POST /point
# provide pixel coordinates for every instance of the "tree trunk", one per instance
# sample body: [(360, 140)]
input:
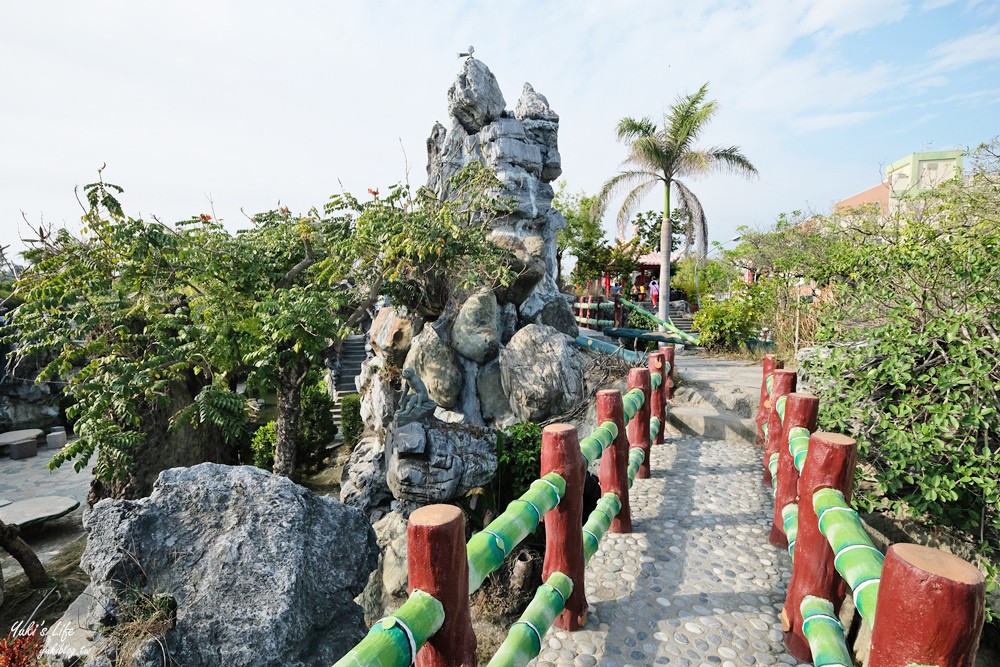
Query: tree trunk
[(12, 543), (665, 247), (287, 425)]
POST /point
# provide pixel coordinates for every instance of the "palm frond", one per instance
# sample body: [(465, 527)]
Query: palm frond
[(718, 159), (697, 222), (616, 185), (630, 129), (631, 204)]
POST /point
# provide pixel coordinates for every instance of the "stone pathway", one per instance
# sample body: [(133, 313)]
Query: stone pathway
[(25, 479), (696, 584)]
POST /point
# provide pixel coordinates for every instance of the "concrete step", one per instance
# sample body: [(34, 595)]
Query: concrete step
[(712, 425)]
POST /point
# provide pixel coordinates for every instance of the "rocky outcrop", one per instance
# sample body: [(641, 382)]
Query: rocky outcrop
[(391, 334), (542, 373), (256, 569), (435, 363), (436, 461), (492, 398), (23, 402), (364, 484), (386, 587), (378, 396), (474, 335)]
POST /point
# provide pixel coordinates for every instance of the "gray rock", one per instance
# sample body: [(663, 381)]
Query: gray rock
[(546, 305), (434, 361), (492, 398), (506, 322), (378, 396), (474, 335), (262, 571), (453, 459), (364, 485), (534, 106), (468, 401), (474, 99), (386, 587), (392, 332), (541, 373)]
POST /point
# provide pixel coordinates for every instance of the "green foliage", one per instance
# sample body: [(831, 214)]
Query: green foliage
[(910, 366), (262, 445), (728, 323), (350, 419), (637, 320), (137, 315), (519, 451), (713, 276), (318, 432)]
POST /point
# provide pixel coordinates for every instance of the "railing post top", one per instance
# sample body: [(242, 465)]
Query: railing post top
[(802, 396), (832, 439), (608, 393), (558, 431), (638, 377), (938, 563), (436, 515)]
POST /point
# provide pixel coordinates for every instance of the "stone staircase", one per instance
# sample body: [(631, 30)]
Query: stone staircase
[(352, 354), (681, 319), (716, 398)]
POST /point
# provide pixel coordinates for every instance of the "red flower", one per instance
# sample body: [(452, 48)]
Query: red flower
[(204, 217), (373, 193), (284, 209)]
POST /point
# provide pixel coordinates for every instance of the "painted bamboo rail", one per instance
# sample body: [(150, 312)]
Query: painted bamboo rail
[(433, 627), (667, 325), (634, 358), (930, 611)]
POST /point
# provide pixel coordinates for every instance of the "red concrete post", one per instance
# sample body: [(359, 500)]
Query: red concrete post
[(771, 364), (564, 524), (638, 428), (669, 355), (830, 464), (657, 401), (591, 313), (614, 461), (930, 611), (436, 564), (800, 411), (784, 384)]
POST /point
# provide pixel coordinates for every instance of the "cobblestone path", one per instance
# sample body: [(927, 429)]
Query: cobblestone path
[(696, 584)]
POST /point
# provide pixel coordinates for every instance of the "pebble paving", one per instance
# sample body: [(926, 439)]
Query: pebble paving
[(696, 584)]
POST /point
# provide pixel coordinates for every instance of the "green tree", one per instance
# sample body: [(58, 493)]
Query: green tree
[(663, 155), (153, 325), (583, 231)]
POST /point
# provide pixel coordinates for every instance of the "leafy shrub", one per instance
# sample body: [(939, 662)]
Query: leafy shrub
[(911, 367), (727, 324), (519, 451), (637, 320), (350, 419), (317, 432)]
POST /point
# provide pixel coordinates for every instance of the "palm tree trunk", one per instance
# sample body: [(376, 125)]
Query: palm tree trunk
[(665, 243)]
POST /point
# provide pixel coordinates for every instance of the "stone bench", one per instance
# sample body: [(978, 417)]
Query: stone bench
[(37, 510), (21, 444)]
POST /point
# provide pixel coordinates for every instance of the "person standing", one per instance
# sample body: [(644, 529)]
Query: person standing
[(654, 292)]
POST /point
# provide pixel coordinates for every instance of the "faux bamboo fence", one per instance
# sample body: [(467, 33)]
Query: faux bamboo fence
[(924, 606), (433, 627)]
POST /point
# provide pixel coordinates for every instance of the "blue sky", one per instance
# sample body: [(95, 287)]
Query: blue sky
[(245, 104)]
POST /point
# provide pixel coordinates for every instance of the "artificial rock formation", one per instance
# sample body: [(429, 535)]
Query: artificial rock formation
[(258, 570), (493, 356)]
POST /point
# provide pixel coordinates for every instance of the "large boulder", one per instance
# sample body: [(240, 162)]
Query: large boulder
[(392, 332), (386, 587), (378, 396), (262, 571), (434, 361), (474, 335), (364, 485), (546, 305), (474, 99), (492, 399), (437, 461), (541, 372)]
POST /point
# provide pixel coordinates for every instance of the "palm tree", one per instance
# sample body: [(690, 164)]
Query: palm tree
[(661, 155)]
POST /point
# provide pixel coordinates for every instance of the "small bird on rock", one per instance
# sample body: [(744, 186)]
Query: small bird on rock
[(469, 54)]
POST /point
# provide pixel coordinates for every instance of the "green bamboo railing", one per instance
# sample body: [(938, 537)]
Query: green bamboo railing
[(855, 557), (798, 445), (604, 305), (488, 548), (824, 633), (598, 523), (595, 322), (524, 639), (395, 639), (634, 358), (655, 379), (772, 466), (669, 326), (790, 520)]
